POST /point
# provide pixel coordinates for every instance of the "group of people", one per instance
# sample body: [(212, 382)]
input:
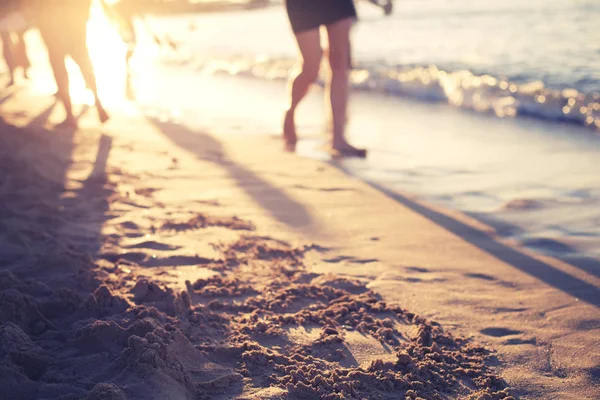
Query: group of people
[(63, 27)]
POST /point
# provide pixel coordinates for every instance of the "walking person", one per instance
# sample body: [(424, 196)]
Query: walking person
[(63, 27), (12, 30), (14, 51), (306, 18)]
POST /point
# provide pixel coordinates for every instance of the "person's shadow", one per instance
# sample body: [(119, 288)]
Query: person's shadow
[(38, 193), (275, 201)]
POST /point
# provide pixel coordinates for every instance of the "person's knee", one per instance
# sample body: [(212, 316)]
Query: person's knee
[(311, 67), (310, 70)]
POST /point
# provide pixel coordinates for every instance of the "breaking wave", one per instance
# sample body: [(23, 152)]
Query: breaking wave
[(502, 97)]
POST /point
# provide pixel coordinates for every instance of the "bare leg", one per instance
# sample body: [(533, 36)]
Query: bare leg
[(311, 53), (337, 86), (56, 56), (61, 76), (81, 56), (129, 94), (128, 56), (7, 50), (21, 54), (130, 40)]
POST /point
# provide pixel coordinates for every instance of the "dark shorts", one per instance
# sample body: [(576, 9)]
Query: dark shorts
[(306, 15)]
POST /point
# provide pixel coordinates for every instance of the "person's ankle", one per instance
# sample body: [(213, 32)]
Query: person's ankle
[(338, 140)]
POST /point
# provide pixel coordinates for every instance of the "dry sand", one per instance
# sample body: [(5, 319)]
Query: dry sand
[(149, 260)]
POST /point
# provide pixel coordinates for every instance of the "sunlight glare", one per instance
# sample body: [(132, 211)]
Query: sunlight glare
[(107, 52)]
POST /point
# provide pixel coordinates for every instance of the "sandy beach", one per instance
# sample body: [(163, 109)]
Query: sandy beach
[(154, 259)]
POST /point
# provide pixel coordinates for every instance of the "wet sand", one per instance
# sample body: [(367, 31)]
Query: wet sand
[(153, 260)]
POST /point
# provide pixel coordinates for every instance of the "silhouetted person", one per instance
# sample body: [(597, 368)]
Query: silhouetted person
[(12, 30), (14, 51), (63, 26)]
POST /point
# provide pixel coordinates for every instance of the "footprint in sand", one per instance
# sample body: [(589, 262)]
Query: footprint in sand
[(517, 341), (214, 203), (350, 259), (134, 234), (395, 276), (136, 257), (176, 261), (325, 189), (489, 278), (499, 332), (146, 192), (416, 269), (153, 245), (201, 221), (129, 225), (317, 248), (152, 260), (509, 310), (480, 276)]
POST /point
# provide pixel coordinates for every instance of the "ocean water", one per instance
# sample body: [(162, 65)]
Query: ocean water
[(490, 108), (537, 58)]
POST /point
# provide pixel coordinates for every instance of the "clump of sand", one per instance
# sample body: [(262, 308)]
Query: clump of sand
[(76, 324)]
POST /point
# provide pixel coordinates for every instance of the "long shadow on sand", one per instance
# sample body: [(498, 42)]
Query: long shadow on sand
[(273, 200), (49, 226), (49, 205), (532, 266)]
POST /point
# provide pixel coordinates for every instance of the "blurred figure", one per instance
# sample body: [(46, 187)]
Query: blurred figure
[(386, 5), (306, 18), (12, 30), (123, 14), (63, 27), (14, 51)]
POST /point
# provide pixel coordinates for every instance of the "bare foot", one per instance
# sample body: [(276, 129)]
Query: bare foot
[(388, 7), (289, 132), (344, 149), (102, 115), (69, 122)]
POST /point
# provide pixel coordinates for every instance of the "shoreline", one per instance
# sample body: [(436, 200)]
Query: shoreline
[(507, 175), (146, 199), (496, 97)]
